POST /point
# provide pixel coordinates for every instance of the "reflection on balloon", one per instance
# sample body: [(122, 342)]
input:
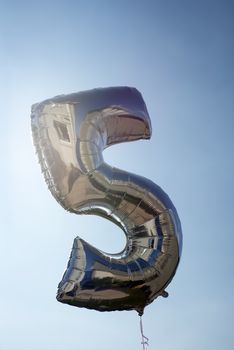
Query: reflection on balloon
[(70, 133)]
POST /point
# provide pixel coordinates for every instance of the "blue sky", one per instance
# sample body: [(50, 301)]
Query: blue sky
[(179, 54)]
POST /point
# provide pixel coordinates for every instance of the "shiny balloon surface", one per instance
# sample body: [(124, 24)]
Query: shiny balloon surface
[(70, 133)]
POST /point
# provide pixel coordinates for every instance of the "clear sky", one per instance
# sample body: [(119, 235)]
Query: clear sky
[(179, 54)]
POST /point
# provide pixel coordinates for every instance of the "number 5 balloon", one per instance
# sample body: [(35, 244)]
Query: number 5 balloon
[(70, 133)]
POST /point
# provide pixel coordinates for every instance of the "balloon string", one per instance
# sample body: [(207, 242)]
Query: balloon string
[(145, 340)]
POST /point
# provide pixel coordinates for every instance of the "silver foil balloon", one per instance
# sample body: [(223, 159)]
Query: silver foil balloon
[(70, 133)]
